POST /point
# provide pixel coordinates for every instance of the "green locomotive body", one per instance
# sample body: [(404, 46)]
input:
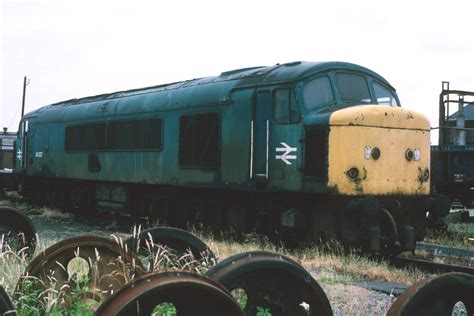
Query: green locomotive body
[(313, 150)]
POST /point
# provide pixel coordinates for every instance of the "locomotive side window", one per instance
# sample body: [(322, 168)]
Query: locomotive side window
[(85, 137), (124, 135), (317, 93), (353, 88), (384, 96), (284, 107), (199, 137), (139, 134)]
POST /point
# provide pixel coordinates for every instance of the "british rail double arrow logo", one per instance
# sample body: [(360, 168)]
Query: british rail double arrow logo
[(286, 157)]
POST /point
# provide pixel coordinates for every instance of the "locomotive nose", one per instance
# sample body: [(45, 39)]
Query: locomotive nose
[(379, 150)]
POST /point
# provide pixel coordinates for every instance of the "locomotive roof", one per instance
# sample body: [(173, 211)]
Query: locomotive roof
[(217, 89)]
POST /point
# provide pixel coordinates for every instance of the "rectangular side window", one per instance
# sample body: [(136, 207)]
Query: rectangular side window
[(138, 134), (199, 140), (85, 137), (315, 153), (123, 135), (281, 106)]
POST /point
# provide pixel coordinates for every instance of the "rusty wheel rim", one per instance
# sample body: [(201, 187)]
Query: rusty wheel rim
[(189, 293), (17, 229), (5, 302), (271, 282), (436, 296), (106, 267)]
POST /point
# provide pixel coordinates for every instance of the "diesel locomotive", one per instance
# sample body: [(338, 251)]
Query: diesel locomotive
[(302, 150)]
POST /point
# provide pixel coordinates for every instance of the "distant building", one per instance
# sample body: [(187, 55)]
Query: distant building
[(456, 120), (6, 149)]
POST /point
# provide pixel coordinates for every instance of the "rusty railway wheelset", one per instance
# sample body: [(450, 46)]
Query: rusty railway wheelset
[(122, 278)]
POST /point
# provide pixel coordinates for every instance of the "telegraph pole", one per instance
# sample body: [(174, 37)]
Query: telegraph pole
[(25, 82)]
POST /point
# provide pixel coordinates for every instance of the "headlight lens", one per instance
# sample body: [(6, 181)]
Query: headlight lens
[(376, 153), (409, 154), (353, 173), (425, 175)]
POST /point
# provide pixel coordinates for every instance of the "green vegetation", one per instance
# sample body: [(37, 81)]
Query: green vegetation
[(451, 231), (164, 309)]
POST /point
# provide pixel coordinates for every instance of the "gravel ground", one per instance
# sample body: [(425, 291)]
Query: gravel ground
[(353, 300), (346, 299)]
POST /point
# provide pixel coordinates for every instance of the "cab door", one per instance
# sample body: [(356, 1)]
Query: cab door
[(20, 146), (286, 141), (262, 136)]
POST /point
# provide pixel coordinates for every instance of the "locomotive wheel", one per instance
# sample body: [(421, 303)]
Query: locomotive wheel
[(180, 293), (179, 241), (96, 262), (5, 302), (436, 296), (18, 229), (271, 282)]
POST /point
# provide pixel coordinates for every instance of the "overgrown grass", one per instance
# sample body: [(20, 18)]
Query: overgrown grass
[(76, 294), (34, 297), (452, 232), (331, 265)]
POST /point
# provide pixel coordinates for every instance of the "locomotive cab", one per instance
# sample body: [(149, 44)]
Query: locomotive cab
[(362, 147)]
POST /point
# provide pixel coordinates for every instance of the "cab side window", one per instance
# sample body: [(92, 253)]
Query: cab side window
[(284, 109), (317, 93), (384, 96)]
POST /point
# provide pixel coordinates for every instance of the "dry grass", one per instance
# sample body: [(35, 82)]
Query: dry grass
[(331, 266), (328, 263), (12, 265), (52, 213), (226, 248)]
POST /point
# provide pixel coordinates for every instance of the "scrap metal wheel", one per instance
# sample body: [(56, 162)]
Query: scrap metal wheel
[(436, 296), (179, 241), (96, 262), (270, 282), (5, 302), (17, 229), (180, 293)]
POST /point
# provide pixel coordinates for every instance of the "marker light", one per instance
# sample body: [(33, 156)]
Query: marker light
[(417, 154), (409, 154)]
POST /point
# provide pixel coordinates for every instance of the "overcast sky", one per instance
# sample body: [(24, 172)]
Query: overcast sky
[(73, 49)]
